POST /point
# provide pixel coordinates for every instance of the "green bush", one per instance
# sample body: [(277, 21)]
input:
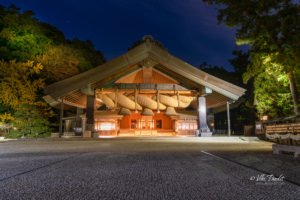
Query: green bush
[(30, 123)]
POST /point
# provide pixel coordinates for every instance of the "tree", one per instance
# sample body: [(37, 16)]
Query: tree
[(68, 59), (246, 111), (6, 120), (21, 37), (240, 61), (272, 29), (18, 83), (272, 96), (59, 62), (32, 54), (30, 121), (20, 104), (88, 56), (221, 73)]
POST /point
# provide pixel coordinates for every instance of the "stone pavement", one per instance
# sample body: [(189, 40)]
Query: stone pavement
[(137, 168)]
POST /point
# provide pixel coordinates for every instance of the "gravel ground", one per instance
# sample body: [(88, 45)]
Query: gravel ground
[(144, 168)]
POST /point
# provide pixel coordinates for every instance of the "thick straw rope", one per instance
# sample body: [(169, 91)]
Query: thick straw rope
[(106, 100), (149, 103), (167, 100), (124, 101), (184, 99)]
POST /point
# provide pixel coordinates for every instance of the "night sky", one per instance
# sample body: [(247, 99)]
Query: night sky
[(187, 28)]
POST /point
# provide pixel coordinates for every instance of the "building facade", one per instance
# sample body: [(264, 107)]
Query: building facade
[(144, 92)]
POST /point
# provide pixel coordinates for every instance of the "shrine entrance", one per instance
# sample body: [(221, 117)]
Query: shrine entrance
[(145, 127)]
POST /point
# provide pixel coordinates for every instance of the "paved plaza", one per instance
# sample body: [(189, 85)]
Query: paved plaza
[(146, 168)]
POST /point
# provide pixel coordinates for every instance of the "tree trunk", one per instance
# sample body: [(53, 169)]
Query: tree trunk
[(294, 92)]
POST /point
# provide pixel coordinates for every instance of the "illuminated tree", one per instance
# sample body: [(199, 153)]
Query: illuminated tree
[(272, 29), (59, 62), (6, 120), (18, 83), (30, 122), (86, 53), (23, 37), (32, 54), (21, 106)]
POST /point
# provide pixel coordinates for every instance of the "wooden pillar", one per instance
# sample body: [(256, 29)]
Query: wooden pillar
[(83, 125), (90, 106), (88, 120), (202, 117), (78, 122), (228, 118), (61, 117), (79, 111)]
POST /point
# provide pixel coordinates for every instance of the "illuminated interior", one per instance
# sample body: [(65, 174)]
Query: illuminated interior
[(187, 125), (105, 126)]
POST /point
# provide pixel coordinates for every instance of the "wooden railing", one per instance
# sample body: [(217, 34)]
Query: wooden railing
[(284, 133)]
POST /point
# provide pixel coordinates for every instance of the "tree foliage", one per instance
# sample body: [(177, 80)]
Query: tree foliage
[(32, 54), (18, 84), (88, 56), (59, 62), (221, 73), (30, 122), (6, 125), (23, 37), (272, 29), (272, 96)]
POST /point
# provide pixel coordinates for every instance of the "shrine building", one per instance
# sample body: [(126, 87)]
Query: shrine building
[(144, 92)]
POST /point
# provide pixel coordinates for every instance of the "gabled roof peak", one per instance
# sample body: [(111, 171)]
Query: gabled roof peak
[(148, 38)]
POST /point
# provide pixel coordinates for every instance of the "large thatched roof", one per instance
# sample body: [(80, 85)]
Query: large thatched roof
[(143, 57)]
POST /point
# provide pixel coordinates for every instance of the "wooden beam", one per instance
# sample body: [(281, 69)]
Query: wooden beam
[(73, 104), (179, 78), (151, 86), (216, 104), (111, 79), (107, 91)]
